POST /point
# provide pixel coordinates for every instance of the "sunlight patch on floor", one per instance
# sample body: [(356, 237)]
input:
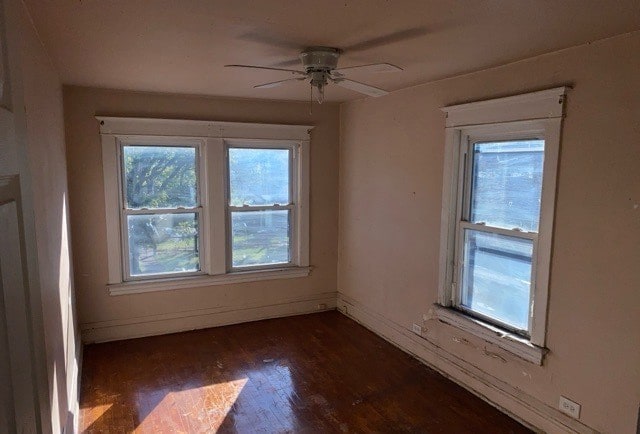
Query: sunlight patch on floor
[(92, 414), (180, 411)]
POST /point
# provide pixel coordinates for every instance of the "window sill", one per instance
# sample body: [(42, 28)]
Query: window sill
[(170, 284), (511, 342)]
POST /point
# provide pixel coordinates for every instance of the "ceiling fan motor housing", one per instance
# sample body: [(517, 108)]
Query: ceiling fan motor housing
[(322, 59)]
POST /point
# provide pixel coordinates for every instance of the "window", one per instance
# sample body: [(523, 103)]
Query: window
[(260, 206), (161, 210), (498, 202), (195, 203), (498, 230)]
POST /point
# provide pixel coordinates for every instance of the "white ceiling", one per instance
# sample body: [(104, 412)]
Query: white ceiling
[(181, 46)]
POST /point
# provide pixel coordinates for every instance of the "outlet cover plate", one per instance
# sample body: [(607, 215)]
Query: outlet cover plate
[(569, 407)]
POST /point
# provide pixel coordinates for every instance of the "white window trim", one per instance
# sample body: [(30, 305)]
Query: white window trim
[(170, 284), (212, 138), (540, 113)]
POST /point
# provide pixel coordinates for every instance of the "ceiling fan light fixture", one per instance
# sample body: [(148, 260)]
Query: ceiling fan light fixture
[(319, 93), (319, 80)]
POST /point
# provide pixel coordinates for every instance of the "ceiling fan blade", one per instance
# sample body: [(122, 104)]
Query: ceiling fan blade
[(278, 83), (374, 67), (274, 41), (360, 87), (391, 38), (293, 71), (292, 62)]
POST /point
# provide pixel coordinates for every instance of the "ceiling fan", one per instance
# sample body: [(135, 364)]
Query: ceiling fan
[(320, 66)]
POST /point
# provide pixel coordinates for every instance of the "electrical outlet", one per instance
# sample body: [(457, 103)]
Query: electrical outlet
[(322, 306), (569, 407), (417, 329)]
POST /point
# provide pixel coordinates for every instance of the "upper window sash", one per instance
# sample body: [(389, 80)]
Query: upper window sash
[(293, 147), (467, 167), (122, 141)]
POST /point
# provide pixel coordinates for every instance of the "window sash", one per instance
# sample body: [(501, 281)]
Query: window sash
[(126, 266), (152, 142), (291, 248), (293, 149), (459, 270)]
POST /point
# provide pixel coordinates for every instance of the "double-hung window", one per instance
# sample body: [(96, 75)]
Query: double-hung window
[(497, 230), (260, 206), (161, 210), (197, 203), (498, 207)]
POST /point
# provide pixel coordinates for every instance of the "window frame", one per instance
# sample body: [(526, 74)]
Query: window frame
[(469, 138), (529, 116), (211, 138)]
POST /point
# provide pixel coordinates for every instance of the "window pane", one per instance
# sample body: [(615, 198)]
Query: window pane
[(507, 184), (159, 176), (260, 237), (496, 277), (163, 243), (258, 176)]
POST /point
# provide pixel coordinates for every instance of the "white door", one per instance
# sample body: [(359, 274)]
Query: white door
[(17, 386)]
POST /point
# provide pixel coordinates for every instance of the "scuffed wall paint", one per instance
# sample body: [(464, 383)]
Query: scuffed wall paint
[(391, 170)]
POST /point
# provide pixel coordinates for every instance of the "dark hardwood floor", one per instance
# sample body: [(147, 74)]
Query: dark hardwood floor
[(319, 373)]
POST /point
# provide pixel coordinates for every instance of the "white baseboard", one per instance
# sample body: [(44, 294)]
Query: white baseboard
[(129, 328), (518, 404)]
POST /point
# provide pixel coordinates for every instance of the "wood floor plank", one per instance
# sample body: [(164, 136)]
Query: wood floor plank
[(320, 373)]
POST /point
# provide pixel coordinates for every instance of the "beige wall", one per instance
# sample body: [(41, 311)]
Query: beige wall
[(104, 317), (41, 165), (391, 162), (391, 167)]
